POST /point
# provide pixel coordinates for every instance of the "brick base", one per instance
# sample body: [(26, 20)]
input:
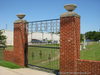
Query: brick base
[(19, 53), (70, 62), (8, 55), (88, 67), (12, 57)]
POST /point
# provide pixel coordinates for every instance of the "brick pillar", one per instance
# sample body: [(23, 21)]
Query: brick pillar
[(69, 40), (20, 41)]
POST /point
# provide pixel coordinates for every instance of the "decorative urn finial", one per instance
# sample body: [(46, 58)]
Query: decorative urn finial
[(70, 7), (21, 16)]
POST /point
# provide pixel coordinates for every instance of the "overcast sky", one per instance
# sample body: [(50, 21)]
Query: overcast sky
[(49, 9)]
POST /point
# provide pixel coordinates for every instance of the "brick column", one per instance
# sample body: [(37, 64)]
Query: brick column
[(69, 40), (20, 41)]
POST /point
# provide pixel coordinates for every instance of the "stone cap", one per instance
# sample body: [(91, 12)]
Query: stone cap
[(20, 21), (20, 16), (70, 8)]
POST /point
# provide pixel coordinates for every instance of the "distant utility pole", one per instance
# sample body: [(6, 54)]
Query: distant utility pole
[(6, 27), (84, 44), (99, 29)]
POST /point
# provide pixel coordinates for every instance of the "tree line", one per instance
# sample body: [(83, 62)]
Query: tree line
[(91, 35)]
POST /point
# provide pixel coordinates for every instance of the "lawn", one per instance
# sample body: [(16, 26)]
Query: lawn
[(1, 53), (49, 57), (6, 63), (9, 64), (10, 47), (44, 57), (92, 52)]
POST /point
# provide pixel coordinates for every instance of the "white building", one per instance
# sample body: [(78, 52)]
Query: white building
[(34, 35), (9, 36)]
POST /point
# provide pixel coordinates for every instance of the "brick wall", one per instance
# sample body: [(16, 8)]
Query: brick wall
[(70, 62), (69, 43), (9, 55), (88, 67), (19, 54)]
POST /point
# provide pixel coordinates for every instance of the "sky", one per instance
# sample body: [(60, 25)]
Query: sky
[(35, 10)]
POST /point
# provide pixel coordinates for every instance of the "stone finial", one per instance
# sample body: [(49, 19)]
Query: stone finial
[(20, 16), (70, 8)]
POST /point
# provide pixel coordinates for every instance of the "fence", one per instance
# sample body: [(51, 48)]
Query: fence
[(70, 62), (43, 44)]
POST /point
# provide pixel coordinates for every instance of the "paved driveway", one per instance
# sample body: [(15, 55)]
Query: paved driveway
[(22, 71)]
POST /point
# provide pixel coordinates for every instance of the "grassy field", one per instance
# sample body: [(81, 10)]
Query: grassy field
[(49, 58), (92, 52)]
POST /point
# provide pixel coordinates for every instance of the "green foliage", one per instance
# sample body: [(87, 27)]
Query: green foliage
[(49, 41), (1, 53), (2, 39), (93, 35), (81, 37)]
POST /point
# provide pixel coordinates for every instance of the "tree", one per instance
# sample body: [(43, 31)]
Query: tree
[(2, 39), (81, 37), (93, 35)]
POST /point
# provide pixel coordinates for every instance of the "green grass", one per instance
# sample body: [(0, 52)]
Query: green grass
[(10, 47), (1, 53), (6, 63), (40, 57), (52, 65), (9, 64), (92, 52), (51, 45)]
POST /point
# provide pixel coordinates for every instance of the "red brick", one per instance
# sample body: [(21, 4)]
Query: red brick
[(20, 45)]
